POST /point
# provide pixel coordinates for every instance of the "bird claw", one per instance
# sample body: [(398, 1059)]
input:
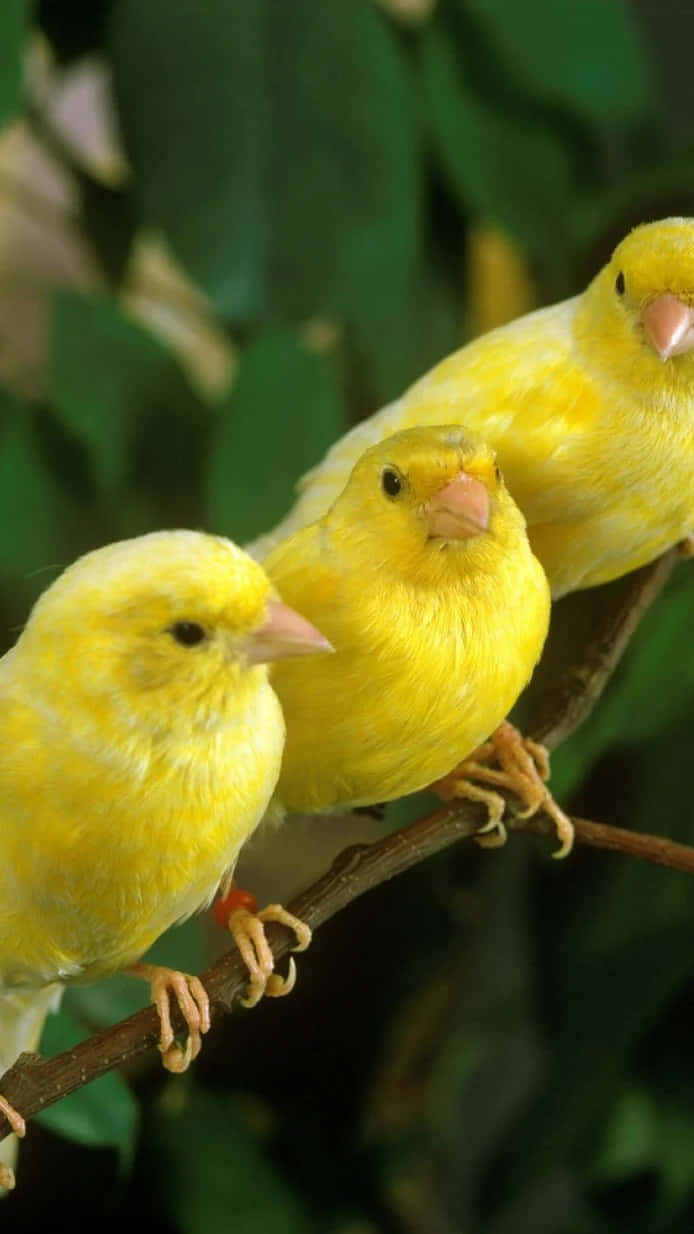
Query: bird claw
[(194, 1005), (523, 766), (18, 1125), (248, 930), (7, 1179), (13, 1117)]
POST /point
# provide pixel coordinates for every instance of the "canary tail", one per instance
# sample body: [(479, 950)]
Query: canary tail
[(22, 1013)]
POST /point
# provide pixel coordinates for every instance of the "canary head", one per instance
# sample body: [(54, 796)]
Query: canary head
[(642, 302), (425, 489), (175, 611)]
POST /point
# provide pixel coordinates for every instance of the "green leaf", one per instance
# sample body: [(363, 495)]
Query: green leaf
[(510, 167), (291, 182), (108, 378), (197, 71), (13, 15), (653, 685), (344, 166), (103, 1113), (586, 55), (648, 1130), (109, 223), (214, 1176), (284, 412), (32, 506)]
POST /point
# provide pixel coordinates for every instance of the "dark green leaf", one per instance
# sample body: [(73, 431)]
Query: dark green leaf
[(108, 219), (73, 27), (291, 180), (32, 507), (507, 166), (109, 378), (554, 53), (653, 685), (219, 1178), (284, 412), (195, 112), (345, 221), (12, 35)]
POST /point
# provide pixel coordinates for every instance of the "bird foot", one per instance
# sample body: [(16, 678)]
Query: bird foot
[(238, 913), (13, 1117), (193, 1002), (18, 1125), (522, 765)]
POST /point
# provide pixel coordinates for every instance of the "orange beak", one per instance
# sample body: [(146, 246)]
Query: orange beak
[(285, 633), (460, 510), (669, 325)]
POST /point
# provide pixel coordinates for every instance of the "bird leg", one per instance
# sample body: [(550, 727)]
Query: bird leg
[(522, 765), (18, 1125), (194, 1004), (238, 912)]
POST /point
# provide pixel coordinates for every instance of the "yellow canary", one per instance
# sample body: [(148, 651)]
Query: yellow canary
[(589, 405), (422, 577), (141, 744)]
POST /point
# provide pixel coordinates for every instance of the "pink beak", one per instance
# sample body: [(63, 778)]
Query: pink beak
[(669, 325), (285, 633), (460, 510)]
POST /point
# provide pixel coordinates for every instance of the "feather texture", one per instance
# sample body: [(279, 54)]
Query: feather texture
[(434, 635), (593, 425)]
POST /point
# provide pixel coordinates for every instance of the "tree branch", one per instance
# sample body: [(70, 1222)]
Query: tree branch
[(581, 684), (33, 1083)]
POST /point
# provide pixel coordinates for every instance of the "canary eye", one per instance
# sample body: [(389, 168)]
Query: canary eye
[(188, 633), (391, 482), (620, 285), (497, 473)]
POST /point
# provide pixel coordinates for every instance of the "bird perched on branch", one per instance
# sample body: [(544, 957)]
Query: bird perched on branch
[(422, 577), (141, 744), (589, 405)]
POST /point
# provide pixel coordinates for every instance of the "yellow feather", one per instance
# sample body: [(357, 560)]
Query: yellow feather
[(132, 767), (434, 638), (593, 431)]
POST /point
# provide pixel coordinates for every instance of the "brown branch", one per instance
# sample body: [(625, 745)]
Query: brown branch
[(33, 1083), (581, 684)]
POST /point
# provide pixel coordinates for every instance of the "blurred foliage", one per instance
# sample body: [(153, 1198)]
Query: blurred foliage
[(343, 190)]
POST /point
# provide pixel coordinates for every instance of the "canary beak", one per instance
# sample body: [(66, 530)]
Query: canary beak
[(669, 325), (285, 633), (460, 510)]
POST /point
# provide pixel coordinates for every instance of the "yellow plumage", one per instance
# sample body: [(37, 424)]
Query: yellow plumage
[(435, 634), (141, 744), (589, 406)]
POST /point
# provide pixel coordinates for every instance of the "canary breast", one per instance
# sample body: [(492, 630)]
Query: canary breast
[(419, 677), (109, 836)]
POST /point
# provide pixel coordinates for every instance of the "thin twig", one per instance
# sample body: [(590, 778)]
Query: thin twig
[(34, 1083), (581, 684)]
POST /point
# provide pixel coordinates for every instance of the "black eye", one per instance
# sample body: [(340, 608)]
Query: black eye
[(497, 473), (188, 633), (620, 285), (391, 483)]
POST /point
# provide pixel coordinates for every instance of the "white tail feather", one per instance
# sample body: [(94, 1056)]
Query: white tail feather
[(22, 1013)]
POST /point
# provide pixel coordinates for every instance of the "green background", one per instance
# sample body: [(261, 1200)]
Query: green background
[(490, 1044)]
